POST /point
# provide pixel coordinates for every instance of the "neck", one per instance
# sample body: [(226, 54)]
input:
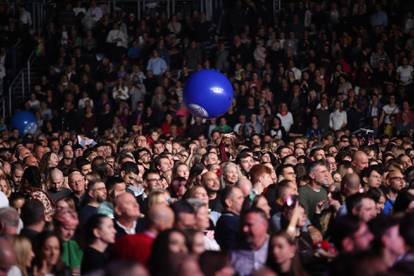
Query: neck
[(37, 227), (99, 245), (285, 267), (388, 258), (127, 222)]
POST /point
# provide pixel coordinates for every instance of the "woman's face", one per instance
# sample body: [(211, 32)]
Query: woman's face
[(51, 251), (183, 171), (107, 231), (176, 243), (231, 175), (282, 251), (53, 160), (203, 221)]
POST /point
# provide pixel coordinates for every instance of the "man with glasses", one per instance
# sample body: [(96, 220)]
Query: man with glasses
[(394, 182)]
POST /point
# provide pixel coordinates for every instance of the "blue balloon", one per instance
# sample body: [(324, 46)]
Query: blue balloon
[(208, 94), (25, 122)]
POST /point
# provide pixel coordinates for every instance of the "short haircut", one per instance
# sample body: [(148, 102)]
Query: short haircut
[(181, 207), (342, 227), (33, 212), (129, 167), (258, 171)]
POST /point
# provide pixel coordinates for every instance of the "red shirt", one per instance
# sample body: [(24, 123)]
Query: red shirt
[(135, 248)]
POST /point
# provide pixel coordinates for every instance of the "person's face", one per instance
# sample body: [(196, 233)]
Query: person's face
[(211, 181), (176, 243), (154, 182), (254, 229), (264, 205), (78, 183), (231, 175), (283, 252), (51, 251), (203, 221), (68, 152), (198, 243), (374, 179), (66, 233), (183, 171), (289, 174), (129, 207), (106, 232), (85, 169), (246, 163), (322, 176), (17, 176), (362, 238), (56, 181), (236, 201), (99, 192), (201, 194), (368, 210), (396, 181), (53, 160), (159, 148), (165, 165)]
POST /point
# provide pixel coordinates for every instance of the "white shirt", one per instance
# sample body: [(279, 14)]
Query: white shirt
[(405, 73), (337, 119), (287, 120)]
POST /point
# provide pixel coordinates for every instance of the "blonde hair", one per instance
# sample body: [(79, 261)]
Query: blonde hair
[(23, 249), (154, 197)]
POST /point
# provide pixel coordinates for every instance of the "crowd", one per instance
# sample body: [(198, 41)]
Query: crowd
[(310, 172)]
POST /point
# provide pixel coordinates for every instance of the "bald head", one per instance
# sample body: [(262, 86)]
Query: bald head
[(360, 161), (160, 217), (7, 256)]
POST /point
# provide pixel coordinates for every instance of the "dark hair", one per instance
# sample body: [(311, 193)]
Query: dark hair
[(213, 261), (296, 268), (406, 228), (343, 227), (160, 260), (32, 177), (93, 222), (403, 200), (33, 212)]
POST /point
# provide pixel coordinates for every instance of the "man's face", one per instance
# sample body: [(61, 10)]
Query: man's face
[(246, 163), (211, 182), (289, 174), (368, 210), (362, 238), (129, 206), (17, 176), (85, 169), (77, 183), (396, 181), (165, 165), (56, 181), (236, 201), (322, 176), (374, 180), (153, 182), (99, 192), (186, 221), (254, 229)]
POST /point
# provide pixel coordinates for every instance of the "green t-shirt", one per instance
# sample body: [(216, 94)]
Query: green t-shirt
[(309, 198), (71, 254)]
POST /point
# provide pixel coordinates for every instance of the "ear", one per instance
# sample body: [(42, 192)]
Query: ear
[(347, 244), (228, 202)]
